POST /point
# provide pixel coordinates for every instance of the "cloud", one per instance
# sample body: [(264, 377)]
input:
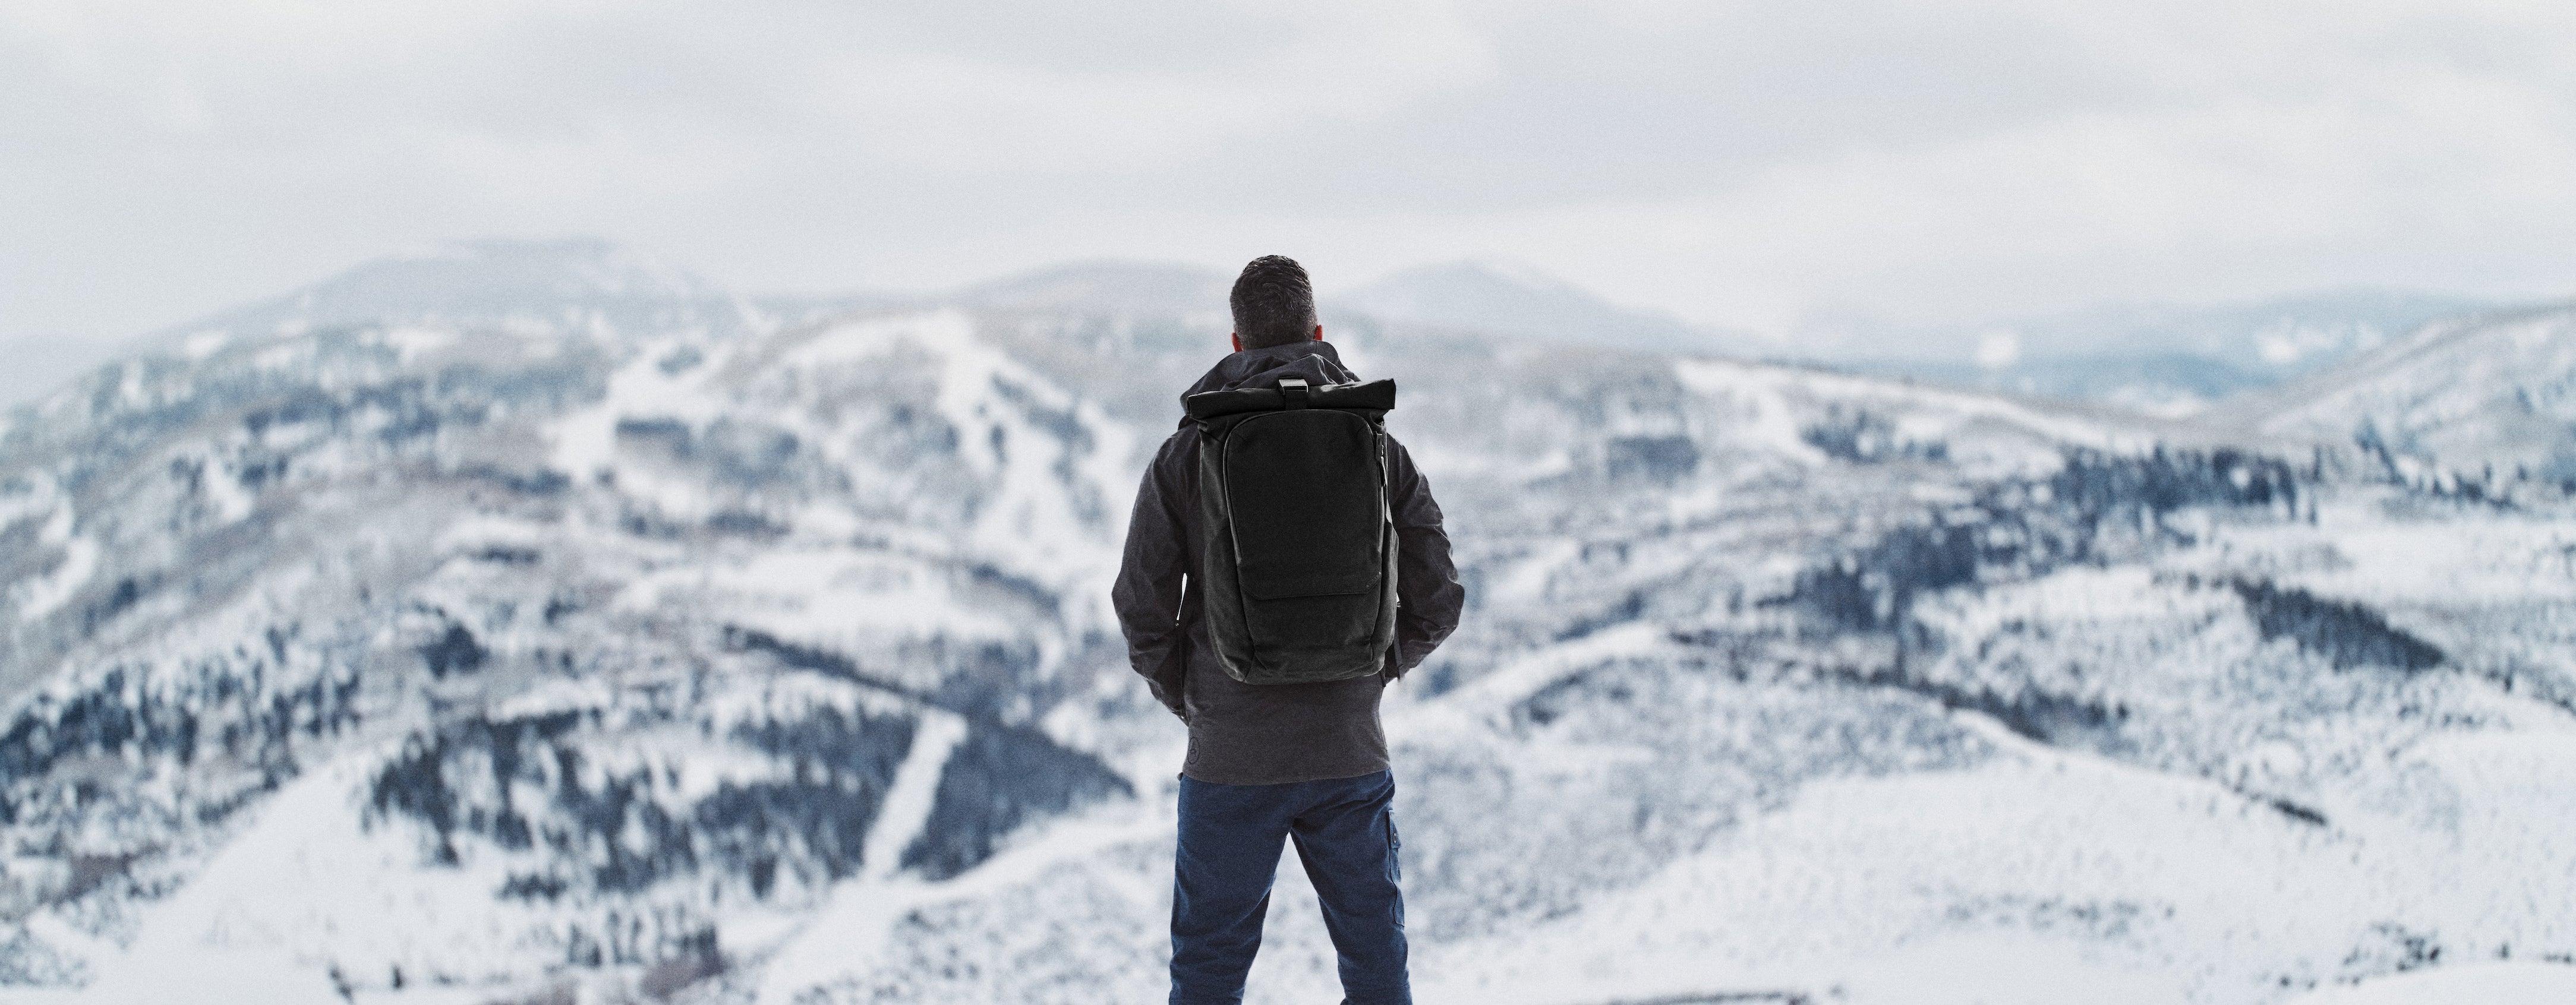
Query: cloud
[(1753, 164)]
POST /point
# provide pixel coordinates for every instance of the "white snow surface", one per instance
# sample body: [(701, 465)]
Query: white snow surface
[(2483, 984)]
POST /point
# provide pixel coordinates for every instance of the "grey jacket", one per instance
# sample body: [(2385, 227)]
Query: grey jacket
[(1244, 734)]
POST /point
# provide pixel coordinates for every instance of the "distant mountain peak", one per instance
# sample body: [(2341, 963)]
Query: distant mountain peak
[(566, 283), (2170, 358), (1513, 298), (1110, 285), (591, 264)]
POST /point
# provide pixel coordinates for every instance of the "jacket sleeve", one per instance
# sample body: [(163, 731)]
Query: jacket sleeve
[(1427, 591), (1148, 593)]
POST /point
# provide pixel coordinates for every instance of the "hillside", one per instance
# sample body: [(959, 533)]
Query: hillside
[(2488, 400), (2170, 359)]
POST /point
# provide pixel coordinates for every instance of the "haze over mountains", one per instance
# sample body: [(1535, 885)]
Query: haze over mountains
[(2162, 358), (2159, 358), (1509, 299), (531, 287), (594, 637)]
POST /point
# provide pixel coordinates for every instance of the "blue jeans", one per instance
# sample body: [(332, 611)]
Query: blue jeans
[(1229, 849)]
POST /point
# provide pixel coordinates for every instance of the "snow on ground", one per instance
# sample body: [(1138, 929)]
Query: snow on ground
[(2051, 871), (43, 596), (2045, 876), (2471, 984), (262, 921), (858, 936), (1765, 421)]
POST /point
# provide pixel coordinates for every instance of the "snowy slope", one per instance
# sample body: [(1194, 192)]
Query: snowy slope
[(623, 652), (2488, 399), (428, 663)]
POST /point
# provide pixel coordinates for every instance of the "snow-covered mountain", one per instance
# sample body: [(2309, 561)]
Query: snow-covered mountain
[(521, 286), (528, 286), (40, 364), (2171, 359), (2486, 401), (433, 662)]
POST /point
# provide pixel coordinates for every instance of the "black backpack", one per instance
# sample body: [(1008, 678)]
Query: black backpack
[(1296, 542)]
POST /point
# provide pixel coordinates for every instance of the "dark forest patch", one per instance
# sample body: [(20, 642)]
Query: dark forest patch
[(2348, 635), (455, 650), (1664, 459), (999, 778), (621, 831)]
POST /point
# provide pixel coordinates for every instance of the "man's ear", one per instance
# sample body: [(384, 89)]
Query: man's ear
[(1238, 341), (1319, 333)]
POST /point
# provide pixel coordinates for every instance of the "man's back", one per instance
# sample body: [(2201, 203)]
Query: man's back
[(1246, 734), (1273, 763)]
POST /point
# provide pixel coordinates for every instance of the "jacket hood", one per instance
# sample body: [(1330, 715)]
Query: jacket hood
[(1318, 362)]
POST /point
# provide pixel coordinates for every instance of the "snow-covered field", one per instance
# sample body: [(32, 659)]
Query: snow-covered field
[(448, 660)]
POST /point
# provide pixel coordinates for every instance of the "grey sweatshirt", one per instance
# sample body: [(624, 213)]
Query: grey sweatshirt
[(1246, 734)]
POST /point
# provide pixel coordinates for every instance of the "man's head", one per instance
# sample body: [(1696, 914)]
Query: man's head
[(1274, 304)]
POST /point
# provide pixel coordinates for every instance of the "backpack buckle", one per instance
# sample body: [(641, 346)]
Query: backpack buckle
[(1293, 391)]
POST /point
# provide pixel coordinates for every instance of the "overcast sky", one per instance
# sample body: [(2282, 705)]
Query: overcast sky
[(1751, 164)]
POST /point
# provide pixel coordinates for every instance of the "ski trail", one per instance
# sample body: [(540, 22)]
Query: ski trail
[(853, 925), (915, 790), (848, 934)]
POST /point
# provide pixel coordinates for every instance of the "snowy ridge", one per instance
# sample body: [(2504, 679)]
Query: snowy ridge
[(2484, 404), (529, 288), (2171, 360)]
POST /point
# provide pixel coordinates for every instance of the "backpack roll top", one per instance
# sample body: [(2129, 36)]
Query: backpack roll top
[(1298, 552), (1374, 396)]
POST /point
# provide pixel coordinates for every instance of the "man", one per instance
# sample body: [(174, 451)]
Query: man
[(1267, 763)]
